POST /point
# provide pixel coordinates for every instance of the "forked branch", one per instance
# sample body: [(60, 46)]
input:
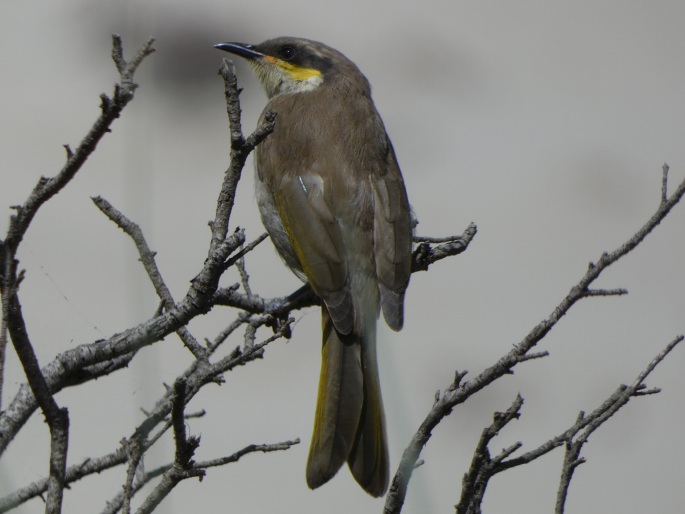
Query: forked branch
[(459, 393)]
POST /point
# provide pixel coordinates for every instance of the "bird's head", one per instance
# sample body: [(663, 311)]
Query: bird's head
[(291, 65)]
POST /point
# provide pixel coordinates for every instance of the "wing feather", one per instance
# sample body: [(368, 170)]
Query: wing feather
[(392, 240), (318, 243)]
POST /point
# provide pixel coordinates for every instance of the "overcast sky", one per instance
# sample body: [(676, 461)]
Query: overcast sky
[(544, 122)]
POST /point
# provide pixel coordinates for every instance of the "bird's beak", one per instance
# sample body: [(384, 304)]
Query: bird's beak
[(242, 49)]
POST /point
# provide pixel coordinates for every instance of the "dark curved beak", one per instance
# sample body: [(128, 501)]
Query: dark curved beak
[(242, 49)]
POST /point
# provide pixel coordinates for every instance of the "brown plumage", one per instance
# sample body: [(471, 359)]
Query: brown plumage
[(332, 197)]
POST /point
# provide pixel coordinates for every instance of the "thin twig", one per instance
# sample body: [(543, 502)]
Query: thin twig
[(605, 292), (264, 448), (225, 333), (425, 254), (134, 451), (116, 503), (241, 254), (244, 275), (182, 467), (620, 398), (664, 183), (111, 110), (240, 149), (482, 466), (436, 240), (95, 465), (147, 257)]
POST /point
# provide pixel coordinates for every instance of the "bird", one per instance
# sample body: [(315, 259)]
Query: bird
[(333, 200)]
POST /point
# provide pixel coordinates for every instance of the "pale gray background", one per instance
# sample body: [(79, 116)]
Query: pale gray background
[(545, 122)]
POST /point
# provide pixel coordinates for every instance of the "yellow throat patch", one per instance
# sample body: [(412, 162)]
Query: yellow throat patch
[(295, 72)]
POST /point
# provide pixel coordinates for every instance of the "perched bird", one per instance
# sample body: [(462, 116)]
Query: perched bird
[(332, 198)]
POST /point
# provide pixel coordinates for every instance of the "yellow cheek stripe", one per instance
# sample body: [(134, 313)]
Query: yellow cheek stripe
[(296, 72)]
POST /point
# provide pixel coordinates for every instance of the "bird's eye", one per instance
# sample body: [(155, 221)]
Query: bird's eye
[(287, 53)]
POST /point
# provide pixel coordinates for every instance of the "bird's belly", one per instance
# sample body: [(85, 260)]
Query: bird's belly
[(274, 226)]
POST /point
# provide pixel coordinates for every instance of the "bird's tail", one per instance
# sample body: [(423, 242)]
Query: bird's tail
[(349, 424)]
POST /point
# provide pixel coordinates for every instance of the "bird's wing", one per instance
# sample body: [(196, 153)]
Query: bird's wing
[(392, 239), (316, 238)]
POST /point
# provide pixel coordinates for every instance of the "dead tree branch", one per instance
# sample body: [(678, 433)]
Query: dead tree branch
[(483, 467), (47, 187), (459, 392)]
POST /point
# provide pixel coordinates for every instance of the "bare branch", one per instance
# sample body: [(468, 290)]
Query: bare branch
[(532, 356), (241, 254), (425, 254), (147, 257), (136, 445), (57, 418), (116, 504), (605, 292), (444, 406), (617, 400), (134, 451), (244, 275), (127, 69), (44, 190), (111, 110), (182, 467), (240, 149), (102, 357), (185, 447), (225, 333), (664, 183), (198, 299), (482, 466), (264, 448), (196, 376), (436, 240)]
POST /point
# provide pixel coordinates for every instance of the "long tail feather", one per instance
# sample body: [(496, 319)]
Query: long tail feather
[(349, 424), (338, 406), (368, 459)]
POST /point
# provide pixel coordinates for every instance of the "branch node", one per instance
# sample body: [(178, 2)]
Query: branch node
[(105, 103), (531, 356), (458, 377)]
